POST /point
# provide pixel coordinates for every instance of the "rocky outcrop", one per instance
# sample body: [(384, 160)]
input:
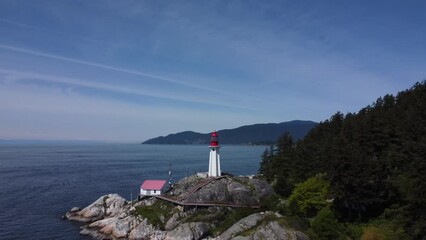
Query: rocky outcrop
[(261, 226), (173, 221), (144, 230), (243, 191), (188, 231), (105, 206), (273, 231), (112, 217), (241, 226)]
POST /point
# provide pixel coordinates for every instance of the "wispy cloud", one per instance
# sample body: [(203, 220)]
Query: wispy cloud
[(92, 64), (64, 34), (16, 76), (206, 63), (132, 72)]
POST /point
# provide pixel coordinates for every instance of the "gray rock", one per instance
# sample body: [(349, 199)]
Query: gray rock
[(108, 205), (93, 233), (142, 231), (212, 192), (88, 232), (241, 194), (173, 221), (227, 190), (103, 222), (240, 226), (242, 238), (114, 204), (121, 228), (260, 230), (112, 227), (91, 213), (272, 230), (184, 184), (262, 188), (75, 209), (188, 231), (300, 236)]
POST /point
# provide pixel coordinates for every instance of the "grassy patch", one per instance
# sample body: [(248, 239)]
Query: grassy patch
[(156, 213), (204, 215)]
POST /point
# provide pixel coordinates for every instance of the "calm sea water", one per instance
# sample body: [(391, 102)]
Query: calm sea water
[(38, 184)]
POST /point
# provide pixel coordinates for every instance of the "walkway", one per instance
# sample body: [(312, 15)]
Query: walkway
[(178, 200), (197, 187), (204, 204)]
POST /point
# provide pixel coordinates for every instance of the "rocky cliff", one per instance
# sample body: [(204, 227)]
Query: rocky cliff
[(231, 212)]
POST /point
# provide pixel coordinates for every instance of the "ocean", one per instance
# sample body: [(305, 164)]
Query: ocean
[(39, 183)]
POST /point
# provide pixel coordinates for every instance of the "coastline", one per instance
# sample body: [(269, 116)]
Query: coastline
[(112, 216)]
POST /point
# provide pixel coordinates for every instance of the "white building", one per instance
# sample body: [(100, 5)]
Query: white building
[(214, 160), (153, 187)]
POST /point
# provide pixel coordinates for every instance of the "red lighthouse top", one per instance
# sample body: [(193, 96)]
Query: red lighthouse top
[(214, 140)]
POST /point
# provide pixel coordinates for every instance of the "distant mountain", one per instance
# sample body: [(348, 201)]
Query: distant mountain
[(266, 133)]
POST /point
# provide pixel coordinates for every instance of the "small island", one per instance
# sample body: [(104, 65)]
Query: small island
[(225, 207)]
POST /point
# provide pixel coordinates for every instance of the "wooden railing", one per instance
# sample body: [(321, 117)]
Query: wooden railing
[(179, 199)]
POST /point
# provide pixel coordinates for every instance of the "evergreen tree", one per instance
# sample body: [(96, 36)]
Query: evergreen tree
[(374, 159), (266, 165)]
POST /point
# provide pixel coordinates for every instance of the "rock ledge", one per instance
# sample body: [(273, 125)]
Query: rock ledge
[(112, 217)]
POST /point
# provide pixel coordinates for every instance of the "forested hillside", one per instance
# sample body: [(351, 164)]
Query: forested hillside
[(361, 174), (264, 133)]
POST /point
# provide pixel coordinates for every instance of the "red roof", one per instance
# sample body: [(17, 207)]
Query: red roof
[(153, 184)]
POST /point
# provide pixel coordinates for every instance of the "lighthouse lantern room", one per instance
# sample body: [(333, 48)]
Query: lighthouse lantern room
[(214, 161)]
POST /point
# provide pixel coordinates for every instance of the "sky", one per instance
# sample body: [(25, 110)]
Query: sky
[(127, 71)]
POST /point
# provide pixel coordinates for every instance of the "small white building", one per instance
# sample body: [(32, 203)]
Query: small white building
[(153, 187)]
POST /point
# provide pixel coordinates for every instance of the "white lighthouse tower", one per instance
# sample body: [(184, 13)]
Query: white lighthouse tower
[(214, 161)]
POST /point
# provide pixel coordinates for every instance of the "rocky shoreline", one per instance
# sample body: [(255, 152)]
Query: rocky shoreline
[(113, 217)]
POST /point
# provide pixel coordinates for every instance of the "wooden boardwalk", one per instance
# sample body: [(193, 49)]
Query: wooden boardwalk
[(203, 204), (197, 187), (179, 200)]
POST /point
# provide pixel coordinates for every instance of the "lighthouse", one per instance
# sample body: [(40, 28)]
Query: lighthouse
[(214, 161)]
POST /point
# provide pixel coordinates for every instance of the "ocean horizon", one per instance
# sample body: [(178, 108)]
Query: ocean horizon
[(39, 183)]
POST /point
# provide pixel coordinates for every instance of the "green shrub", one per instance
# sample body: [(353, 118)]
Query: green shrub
[(295, 222), (273, 203), (325, 225), (309, 197), (353, 230)]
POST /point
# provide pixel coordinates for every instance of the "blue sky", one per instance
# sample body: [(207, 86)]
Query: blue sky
[(126, 71)]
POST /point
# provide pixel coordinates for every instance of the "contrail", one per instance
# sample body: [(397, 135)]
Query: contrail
[(122, 70), (17, 76), (23, 25), (92, 64)]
